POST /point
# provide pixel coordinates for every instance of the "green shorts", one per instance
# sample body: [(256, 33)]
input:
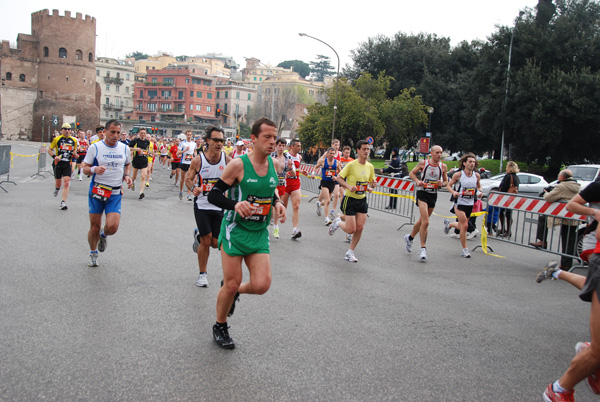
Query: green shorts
[(237, 241)]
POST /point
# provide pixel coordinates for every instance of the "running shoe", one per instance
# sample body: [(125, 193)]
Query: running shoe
[(408, 243), (171, 176), (593, 381), (133, 187), (472, 234), (63, 205), (423, 255), (147, 184), (235, 298), (547, 272), (296, 234), (446, 226), (150, 180), (190, 197), (551, 396), (332, 215), (276, 233), (319, 208), (348, 238), (202, 281), (142, 195), (55, 193), (102, 244), (350, 256), (334, 226), (328, 221), (465, 253), (180, 195), (221, 335), (196, 240), (93, 260), (455, 235), (80, 179)]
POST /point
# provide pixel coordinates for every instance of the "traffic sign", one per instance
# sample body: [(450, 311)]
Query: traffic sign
[(54, 120), (428, 134), (424, 145), (370, 140)]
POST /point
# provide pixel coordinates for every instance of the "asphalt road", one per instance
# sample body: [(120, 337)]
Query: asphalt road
[(386, 328)]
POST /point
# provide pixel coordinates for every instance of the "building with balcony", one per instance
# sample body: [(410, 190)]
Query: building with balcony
[(235, 101), (175, 94), (116, 79)]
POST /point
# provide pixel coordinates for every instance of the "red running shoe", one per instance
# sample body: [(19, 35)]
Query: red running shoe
[(593, 381), (551, 396)]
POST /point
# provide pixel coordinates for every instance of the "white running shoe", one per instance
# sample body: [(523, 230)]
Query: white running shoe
[(80, 179), (455, 235), (472, 234), (348, 238), (446, 226), (350, 256), (93, 260), (296, 234), (196, 243), (63, 205), (423, 255), (334, 226), (408, 243), (202, 281), (328, 221), (332, 215), (190, 197), (55, 193), (465, 253), (319, 210)]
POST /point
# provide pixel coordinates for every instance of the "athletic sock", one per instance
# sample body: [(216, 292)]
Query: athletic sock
[(94, 252), (556, 274), (557, 388), (102, 234), (223, 325), (410, 238)]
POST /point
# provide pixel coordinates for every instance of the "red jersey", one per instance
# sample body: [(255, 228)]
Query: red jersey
[(175, 158)]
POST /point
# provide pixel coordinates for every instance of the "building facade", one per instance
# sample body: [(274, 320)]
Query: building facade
[(175, 94), (235, 101), (116, 79), (50, 73)]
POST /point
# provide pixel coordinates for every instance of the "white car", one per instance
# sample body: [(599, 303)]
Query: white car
[(584, 174), (529, 184)]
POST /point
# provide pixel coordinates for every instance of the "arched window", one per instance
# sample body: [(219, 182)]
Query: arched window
[(8, 76), (90, 57), (46, 51), (78, 55), (22, 77), (62, 53)]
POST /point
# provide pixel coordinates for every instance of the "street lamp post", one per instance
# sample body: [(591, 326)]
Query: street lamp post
[(430, 112), (336, 82), (512, 36)]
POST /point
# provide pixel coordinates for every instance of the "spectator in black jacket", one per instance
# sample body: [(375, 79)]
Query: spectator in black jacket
[(394, 169)]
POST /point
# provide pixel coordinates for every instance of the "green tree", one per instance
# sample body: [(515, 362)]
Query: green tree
[(322, 68), (137, 55), (299, 66)]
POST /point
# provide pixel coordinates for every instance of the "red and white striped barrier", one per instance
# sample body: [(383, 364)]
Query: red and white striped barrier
[(535, 205), (396, 184)]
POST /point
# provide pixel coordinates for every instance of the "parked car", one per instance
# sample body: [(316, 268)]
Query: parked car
[(529, 184), (584, 174), (379, 153)]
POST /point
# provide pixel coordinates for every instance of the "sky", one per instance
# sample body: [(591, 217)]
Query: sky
[(268, 29)]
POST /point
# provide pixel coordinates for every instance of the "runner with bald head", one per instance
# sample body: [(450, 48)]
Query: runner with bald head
[(433, 175)]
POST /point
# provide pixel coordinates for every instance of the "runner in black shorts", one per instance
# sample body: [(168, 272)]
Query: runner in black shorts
[(63, 149)]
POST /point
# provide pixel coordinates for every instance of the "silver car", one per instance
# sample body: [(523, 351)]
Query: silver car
[(529, 184)]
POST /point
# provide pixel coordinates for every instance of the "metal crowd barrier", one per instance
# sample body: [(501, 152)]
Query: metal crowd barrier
[(5, 165), (532, 217), (392, 195)]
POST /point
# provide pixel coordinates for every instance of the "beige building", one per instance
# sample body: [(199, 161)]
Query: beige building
[(235, 101), (116, 79)]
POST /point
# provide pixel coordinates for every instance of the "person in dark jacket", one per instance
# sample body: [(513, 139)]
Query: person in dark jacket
[(394, 169), (510, 184)]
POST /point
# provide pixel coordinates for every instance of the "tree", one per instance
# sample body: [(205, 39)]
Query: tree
[(321, 68), (137, 55), (299, 66)]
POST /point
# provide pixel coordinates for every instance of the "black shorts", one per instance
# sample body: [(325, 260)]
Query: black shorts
[(139, 163), (428, 198), (208, 221), (81, 158), (592, 282), (174, 165), (184, 167), (352, 206), (467, 209), (62, 169), (330, 185)]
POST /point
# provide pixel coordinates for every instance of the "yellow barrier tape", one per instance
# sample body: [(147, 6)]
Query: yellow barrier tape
[(12, 160), (484, 239), (395, 195)]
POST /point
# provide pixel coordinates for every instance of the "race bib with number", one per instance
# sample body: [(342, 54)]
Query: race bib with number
[(468, 193), (330, 173), (261, 208), (361, 187), (281, 180), (207, 185), (101, 192), (430, 186)]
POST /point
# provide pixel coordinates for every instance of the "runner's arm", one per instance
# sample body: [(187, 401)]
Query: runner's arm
[(413, 173)]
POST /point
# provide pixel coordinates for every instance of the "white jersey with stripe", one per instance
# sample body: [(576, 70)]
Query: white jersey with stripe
[(208, 176), (468, 189), (113, 158), (430, 175)]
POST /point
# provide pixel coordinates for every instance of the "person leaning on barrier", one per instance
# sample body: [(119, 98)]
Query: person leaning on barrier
[(394, 169), (565, 190)]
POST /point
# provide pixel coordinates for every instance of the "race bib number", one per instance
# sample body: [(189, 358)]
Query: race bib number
[(330, 173), (261, 208), (361, 187), (101, 192), (281, 180), (143, 152), (189, 157), (468, 193), (430, 186), (207, 185)]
